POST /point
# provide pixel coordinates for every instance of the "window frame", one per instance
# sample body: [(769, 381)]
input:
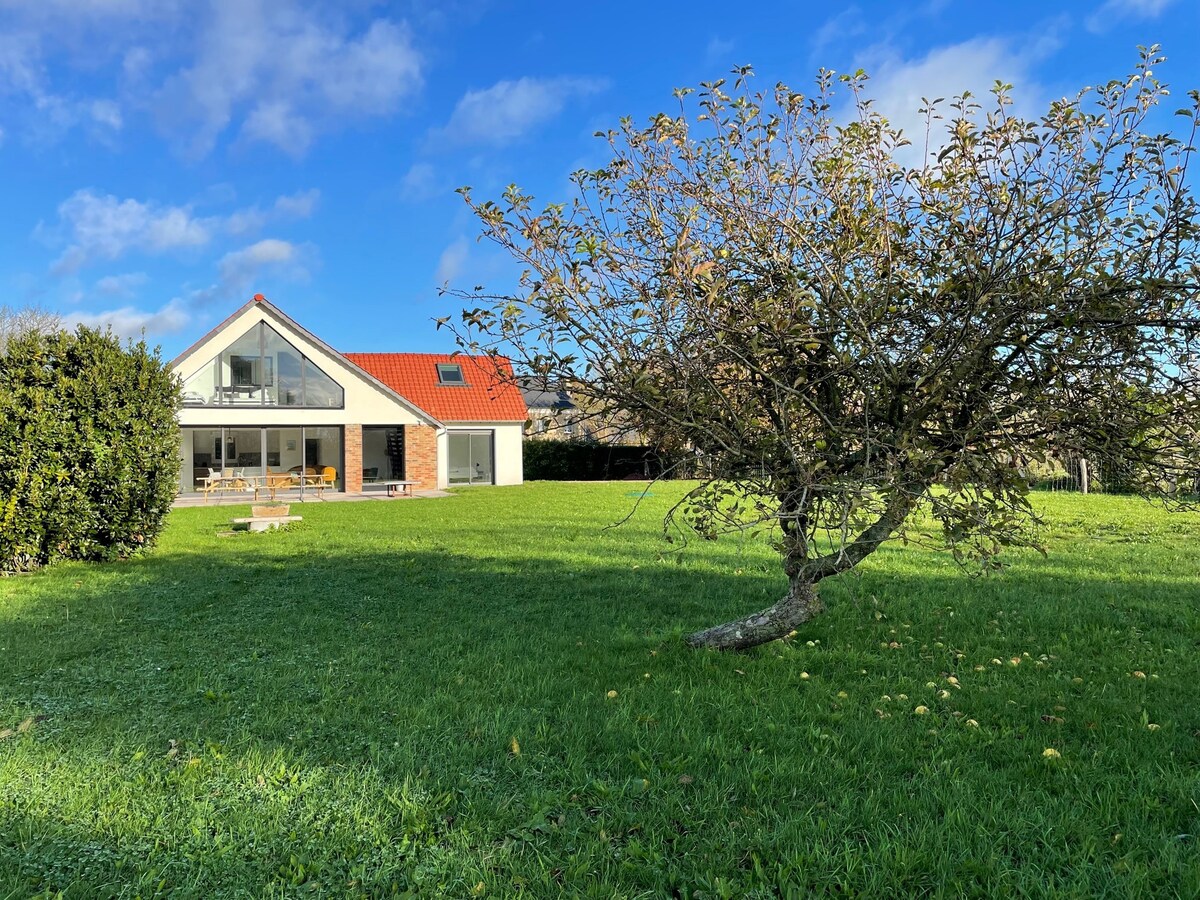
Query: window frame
[(456, 367)]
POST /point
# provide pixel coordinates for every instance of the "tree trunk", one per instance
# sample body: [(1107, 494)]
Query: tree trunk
[(773, 623)]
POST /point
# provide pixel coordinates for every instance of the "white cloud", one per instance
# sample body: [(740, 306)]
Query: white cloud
[(275, 71), (452, 260), (56, 10), (846, 24), (49, 114), (106, 113), (368, 75), (237, 272), (718, 50), (300, 205), (276, 122), (288, 74), (420, 182), (1114, 12), (135, 64), (102, 227), (121, 285), (898, 84), (508, 109), (20, 65), (128, 321), (238, 269)]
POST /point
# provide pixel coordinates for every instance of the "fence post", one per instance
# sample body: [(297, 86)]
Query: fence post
[(1083, 475)]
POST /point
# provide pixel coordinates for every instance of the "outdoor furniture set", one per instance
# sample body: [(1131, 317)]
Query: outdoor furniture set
[(273, 482), (270, 483)]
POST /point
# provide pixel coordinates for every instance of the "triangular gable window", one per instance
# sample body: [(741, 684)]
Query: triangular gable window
[(262, 369)]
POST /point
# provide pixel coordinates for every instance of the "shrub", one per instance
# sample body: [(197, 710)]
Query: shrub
[(89, 448)]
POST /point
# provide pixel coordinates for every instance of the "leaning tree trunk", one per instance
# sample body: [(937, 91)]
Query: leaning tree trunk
[(780, 620), (802, 602)]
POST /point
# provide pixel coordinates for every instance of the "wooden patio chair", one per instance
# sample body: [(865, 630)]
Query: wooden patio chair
[(328, 479)]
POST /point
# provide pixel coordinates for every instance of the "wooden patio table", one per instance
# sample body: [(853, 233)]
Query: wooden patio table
[(271, 483)]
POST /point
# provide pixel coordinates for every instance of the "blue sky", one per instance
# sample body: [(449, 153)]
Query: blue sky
[(163, 160)]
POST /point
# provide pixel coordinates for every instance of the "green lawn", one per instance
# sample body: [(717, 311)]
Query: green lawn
[(414, 696)]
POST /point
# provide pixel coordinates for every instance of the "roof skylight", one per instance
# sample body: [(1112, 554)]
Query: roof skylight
[(450, 373)]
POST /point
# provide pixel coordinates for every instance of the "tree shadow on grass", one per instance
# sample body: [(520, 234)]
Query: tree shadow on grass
[(260, 714), (152, 634)]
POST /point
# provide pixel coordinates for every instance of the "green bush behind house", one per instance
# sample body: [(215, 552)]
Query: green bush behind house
[(582, 460), (89, 448)]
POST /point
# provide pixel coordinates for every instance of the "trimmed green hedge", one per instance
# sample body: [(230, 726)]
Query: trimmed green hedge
[(89, 448), (579, 460)]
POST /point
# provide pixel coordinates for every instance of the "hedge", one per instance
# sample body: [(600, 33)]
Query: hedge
[(89, 448), (581, 460)]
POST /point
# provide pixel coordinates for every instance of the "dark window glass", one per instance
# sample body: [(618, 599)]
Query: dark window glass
[(450, 373)]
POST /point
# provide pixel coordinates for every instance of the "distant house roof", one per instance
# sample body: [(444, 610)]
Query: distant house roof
[(488, 393), (540, 394)]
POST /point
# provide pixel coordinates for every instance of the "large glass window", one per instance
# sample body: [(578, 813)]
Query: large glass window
[(286, 388), (262, 369), (285, 449), (240, 371), (320, 389), (263, 452), (207, 453), (243, 450), (470, 457)]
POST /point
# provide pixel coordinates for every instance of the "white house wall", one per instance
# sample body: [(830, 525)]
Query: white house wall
[(443, 459), (510, 465)]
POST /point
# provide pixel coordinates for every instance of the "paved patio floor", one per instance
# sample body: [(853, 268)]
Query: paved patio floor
[(232, 498)]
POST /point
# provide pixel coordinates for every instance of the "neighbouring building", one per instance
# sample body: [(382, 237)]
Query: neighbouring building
[(554, 414), (263, 395), (552, 411)]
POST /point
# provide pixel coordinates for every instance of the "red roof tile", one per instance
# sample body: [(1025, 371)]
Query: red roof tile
[(490, 395)]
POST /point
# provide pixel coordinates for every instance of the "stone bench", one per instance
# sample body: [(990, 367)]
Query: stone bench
[(262, 523)]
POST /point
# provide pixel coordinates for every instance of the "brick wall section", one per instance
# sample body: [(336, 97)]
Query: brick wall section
[(420, 456), (352, 481)]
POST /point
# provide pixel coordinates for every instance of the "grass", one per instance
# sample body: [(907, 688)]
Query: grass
[(414, 697)]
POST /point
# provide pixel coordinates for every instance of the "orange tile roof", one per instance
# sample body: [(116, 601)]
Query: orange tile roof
[(490, 395)]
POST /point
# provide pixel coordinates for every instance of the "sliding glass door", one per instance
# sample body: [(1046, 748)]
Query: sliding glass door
[(470, 457), (244, 450)]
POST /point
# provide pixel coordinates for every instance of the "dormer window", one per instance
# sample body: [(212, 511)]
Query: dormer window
[(450, 373)]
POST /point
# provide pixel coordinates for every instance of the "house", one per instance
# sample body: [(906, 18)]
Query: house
[(554, 414), (262, 395)]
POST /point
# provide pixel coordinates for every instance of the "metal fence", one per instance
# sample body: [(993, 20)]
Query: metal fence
[(1082, 476), (1074, 474)]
